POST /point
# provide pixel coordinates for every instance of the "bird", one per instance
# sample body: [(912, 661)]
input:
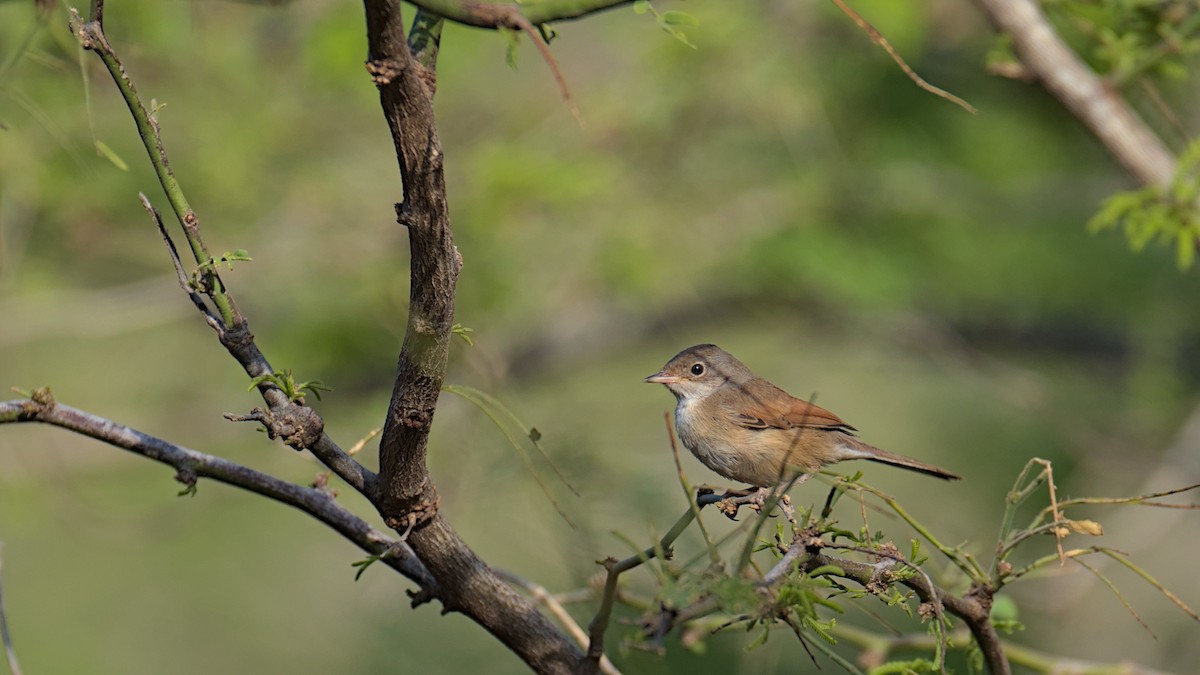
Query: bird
[(746, 429)]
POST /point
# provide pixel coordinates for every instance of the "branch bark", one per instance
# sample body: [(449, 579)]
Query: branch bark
[(191, 465), (407, 498), (1133, 144)]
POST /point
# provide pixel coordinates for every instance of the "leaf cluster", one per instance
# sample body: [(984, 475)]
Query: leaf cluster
[(1131, 38), (1170, 214)]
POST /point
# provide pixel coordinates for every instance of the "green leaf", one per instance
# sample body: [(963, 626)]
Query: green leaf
[(1185, 249), (362, 565), (641, 7), (464, 333), (107, 153), (677, 18), (678, 35), (510, 52)]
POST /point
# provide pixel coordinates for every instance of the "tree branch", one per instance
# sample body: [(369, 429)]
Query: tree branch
[(1133, 144), (407, 497), (191, 465), (974, 608), (496, 15), (298, 425)]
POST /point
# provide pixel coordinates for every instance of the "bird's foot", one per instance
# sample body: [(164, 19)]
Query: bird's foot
[(755, 498)]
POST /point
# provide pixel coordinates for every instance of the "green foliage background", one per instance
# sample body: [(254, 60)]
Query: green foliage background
[(782, 190)]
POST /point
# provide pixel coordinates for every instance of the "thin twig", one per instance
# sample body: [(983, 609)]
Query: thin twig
[(689, 492), (615, 568), (4, 635), (938, 608), (1117, 592), (560, 613), (1115, 555), (544, 49), (880, 40)]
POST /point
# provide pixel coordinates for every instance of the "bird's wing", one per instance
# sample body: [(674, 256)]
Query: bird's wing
[(767, 406)]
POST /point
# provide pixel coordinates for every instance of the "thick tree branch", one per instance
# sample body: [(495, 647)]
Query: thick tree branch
[(407, 497), (1126, 136), (191, 465)]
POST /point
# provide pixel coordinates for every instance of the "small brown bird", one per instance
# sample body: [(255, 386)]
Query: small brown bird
[(747, 429)]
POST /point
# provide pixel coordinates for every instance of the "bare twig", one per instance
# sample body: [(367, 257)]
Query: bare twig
[(4, 634), (1115, 555), (880, 40), (1117, 592), (560, 613), (615, 568), (191, 465), (689, 493)]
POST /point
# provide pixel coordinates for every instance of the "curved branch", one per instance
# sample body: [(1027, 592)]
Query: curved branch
[(496, 15), (1086, 95), (407, 498), (974, 608), (192, 465)]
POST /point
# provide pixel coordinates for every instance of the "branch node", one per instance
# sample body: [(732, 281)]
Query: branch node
[(321, 484), (420, 597), (187, 477), (298, 426), (416, 514), (237, 337), (43, 397), (384, 71), (403, 215)]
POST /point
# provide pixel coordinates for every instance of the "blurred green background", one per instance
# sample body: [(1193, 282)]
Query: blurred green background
[(783, 191)]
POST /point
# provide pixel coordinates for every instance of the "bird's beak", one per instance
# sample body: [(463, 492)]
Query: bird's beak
[(661, 377)]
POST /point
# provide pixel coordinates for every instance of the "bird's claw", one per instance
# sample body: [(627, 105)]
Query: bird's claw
[(754, 498)]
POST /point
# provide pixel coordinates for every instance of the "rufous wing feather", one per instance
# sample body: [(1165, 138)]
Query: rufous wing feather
[(773, 407)]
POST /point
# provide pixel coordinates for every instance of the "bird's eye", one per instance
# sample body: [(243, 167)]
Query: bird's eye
[(698, 369)]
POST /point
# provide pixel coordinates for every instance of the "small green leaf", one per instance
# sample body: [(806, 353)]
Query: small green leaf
[(678, 35), (107, 153), (1185, 248), (464, 333), (510, 52), (677, 18), (641, 7), (362, 565)]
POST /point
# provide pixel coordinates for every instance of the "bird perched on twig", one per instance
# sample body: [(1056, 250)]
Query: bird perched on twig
[(747, 429)]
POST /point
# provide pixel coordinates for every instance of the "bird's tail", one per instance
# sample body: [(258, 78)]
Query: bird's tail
[(856, 449)]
